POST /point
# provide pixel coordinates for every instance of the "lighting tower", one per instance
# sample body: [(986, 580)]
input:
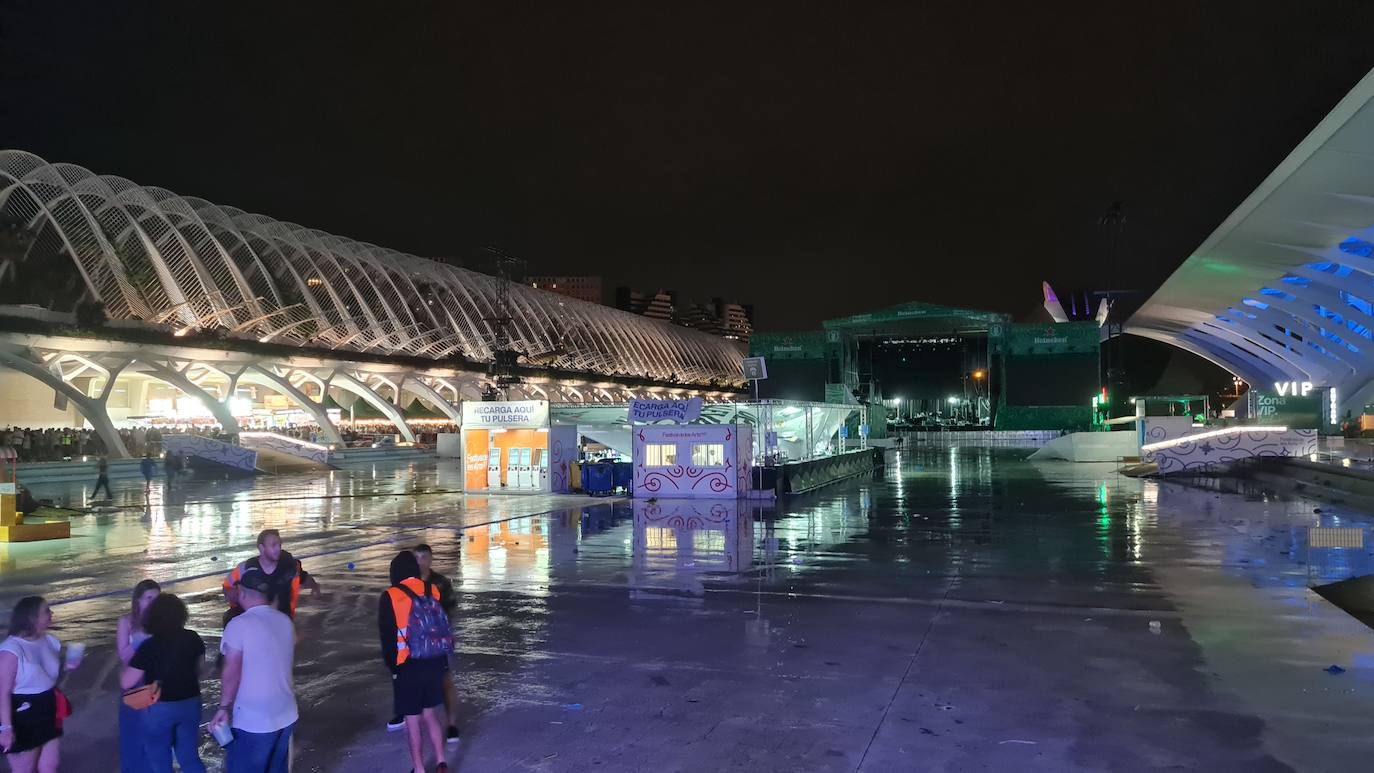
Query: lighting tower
[(504, 357), (1112, 221)]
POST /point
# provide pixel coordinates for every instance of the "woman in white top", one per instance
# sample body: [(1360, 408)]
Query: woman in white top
[(30, 668), (128, 636)]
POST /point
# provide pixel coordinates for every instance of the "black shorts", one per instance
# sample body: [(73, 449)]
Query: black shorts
[(418, 685), (35, 720)]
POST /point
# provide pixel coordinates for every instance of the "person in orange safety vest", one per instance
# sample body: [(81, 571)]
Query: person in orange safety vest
[(416, 640), (287, 574)]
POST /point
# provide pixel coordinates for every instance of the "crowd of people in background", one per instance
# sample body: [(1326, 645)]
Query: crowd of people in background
[(310, 432), (56, 444), (164, 664), (428, 434), (51, 445)]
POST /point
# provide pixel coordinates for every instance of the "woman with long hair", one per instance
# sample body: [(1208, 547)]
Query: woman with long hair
[(128, 635), (30, 669), (172, 656)]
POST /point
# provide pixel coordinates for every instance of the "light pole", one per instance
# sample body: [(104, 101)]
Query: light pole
[(1112, 222), (978, 376)]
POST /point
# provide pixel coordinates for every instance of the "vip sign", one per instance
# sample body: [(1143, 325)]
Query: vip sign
[(1293, 388), (1289, 410)]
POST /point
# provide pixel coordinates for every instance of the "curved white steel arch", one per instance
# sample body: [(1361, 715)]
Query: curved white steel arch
[(265, 378), (92, 409), (349, 383), (1291, 271), (256, 277), (54, 203), (1304, 359)]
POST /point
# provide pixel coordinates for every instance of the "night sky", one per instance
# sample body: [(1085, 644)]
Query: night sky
[(815, 160)]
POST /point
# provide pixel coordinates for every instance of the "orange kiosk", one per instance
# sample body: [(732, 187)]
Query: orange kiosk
[(506, 446), (12, 526)]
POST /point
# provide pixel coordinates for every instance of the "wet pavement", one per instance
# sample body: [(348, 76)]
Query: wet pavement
[(965, 610)]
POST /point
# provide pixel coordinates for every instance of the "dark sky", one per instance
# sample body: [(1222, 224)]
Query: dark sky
[(816, 160)]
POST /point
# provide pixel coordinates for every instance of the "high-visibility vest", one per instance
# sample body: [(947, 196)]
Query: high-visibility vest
[(233, 580), (400, 609)]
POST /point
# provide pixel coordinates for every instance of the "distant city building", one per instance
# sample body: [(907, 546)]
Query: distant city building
[(698, 317), (728, 320), (661, 305), (583, 288), (733, 320)]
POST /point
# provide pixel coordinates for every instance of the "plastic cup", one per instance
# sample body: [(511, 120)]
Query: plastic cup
[(75, 651), (223, 734)]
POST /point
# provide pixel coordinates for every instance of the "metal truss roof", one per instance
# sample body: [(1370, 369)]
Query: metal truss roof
[(1284, 288), (919, 317), (148, 254)]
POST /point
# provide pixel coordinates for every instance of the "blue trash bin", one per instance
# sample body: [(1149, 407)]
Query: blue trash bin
[(598, 479), (623, 476)]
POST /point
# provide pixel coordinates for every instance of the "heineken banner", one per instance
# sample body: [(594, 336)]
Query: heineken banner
[(675, 411)]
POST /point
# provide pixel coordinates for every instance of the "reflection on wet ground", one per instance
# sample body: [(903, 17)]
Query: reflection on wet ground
[(967, 609)]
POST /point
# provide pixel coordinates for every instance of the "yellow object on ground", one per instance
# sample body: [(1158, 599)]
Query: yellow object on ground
[(13, 528)]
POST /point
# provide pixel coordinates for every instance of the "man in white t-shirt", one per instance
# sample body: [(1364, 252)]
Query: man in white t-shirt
[(257, 699)]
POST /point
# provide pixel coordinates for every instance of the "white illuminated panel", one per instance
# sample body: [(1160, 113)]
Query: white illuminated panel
[(1293, 388), (1152, 447), (285, 439)]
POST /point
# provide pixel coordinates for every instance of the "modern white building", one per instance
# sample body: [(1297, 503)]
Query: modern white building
[(121, 302), (1283, 290)]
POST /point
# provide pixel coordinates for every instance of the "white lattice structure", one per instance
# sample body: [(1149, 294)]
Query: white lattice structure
[(148, 254)]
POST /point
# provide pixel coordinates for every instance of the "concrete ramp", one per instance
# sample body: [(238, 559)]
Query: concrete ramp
[(207, 454), (279, 454), (276, 462), (1355, 596), (1089, 447)]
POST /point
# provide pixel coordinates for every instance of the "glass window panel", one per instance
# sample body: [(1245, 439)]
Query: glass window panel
[(708, 455), (660, 455)]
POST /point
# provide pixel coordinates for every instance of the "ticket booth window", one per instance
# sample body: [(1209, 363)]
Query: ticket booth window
[(660, 455), (708, 455)]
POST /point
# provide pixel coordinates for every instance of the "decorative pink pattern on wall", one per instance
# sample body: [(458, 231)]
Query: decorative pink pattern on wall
[(687, 481), (562, 454)]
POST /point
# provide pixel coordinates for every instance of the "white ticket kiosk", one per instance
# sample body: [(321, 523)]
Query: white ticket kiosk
[(494, 468)]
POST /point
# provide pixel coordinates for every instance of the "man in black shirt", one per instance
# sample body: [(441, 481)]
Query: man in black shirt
[(448, 600), (287, 574)]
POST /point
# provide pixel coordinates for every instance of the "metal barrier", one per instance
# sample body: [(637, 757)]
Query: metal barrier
[(800, 477), (991, 437)]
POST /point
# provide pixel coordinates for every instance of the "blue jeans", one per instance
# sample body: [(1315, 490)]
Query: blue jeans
[(170, 725), (132, 758), (259, 752)]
